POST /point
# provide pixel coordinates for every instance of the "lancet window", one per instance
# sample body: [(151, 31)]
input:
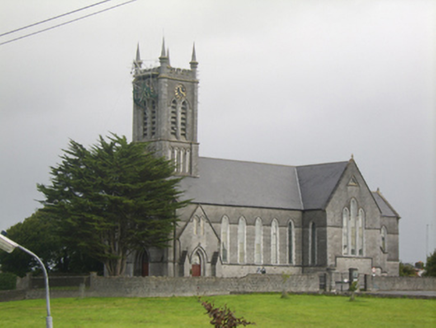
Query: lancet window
[(274, 242), (258, 241), (353, 230), (291, 242), (225, 239), (241, 240), (312, 243)]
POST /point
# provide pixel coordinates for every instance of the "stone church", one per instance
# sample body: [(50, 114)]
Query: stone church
[(247, 216)]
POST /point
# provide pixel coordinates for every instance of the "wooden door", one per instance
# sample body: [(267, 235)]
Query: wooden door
[(196, 270)]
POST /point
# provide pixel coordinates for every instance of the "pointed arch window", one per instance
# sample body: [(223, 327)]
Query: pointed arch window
[(345, 219), (145, 122), (360, 232), (258, 241), (384, 236), (291, 242), (274, 242), (174, 118), (241, 240), (195, 225), (153, 118), (225, 239), (353, 230), (312, 244), (183, 119)]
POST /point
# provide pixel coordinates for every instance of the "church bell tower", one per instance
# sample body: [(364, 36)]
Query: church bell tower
[(165, 103)]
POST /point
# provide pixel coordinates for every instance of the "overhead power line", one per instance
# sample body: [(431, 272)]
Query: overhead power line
[(53, 18), (68, 22)]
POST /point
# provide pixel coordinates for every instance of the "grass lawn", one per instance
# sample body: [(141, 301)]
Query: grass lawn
[(266, 310)]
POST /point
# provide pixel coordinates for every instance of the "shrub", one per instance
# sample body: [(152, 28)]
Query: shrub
[(223, 317), (354, 286), (8, 281)]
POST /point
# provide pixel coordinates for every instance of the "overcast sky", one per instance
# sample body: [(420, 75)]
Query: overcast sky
[(286, 82)]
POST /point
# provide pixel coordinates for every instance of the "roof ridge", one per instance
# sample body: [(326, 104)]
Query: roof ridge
[(247, 162), (319, 164)]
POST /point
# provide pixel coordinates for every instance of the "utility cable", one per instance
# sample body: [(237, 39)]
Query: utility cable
[(68, 22), (53, 18)]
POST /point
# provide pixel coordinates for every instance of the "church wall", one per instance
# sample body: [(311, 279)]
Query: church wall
[(334, 244), (363, 264), (392, 227), (345, 191), (319, 219), (210, 240), (393, 268)]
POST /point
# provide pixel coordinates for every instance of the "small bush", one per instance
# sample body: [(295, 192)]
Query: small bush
[(223, 317), (8, 281), (354, 286)]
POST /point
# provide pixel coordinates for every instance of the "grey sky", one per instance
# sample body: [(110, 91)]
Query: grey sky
[(286, 82)]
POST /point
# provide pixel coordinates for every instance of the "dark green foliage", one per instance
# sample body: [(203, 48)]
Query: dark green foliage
[(39, 234), (419, 265), (406, 270), (112, 198), (223, 317), (430, 266), (8, 281)]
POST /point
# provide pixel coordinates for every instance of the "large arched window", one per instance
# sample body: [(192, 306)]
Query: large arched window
[(225, 239), (384, 241), (291, 242), (353, 216), (353, 230), (274, 242), (258, 241), (241, 240), (360, 232), (312, 244), (345, 219)]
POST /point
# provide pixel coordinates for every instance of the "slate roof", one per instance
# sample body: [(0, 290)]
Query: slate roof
[(317, 183), (237, 183), (385, 208)]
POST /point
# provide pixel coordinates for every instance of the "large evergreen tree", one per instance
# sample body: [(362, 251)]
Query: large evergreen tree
[(113, 198)]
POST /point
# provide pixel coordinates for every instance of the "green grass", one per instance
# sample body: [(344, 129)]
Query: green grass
[(267, 310)]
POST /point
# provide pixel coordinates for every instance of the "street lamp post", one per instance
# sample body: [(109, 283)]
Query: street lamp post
[(8, 245)]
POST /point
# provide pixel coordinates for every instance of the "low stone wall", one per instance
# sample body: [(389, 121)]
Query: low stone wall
[(401, 283), (190, 286), (12, 295), (167, 286), (30, 282)]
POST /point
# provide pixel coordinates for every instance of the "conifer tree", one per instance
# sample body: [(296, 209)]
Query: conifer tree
[(113, 198)]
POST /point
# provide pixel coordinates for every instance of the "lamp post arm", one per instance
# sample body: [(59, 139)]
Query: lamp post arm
[(49, 319)]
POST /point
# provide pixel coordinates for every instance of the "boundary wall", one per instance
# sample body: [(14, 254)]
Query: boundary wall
[(400, 283), (95, 286), (186, 286)]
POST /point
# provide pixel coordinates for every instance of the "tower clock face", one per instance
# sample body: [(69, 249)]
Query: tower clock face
[(180, 91)]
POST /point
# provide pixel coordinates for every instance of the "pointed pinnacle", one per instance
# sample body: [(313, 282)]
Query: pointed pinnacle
[(194, 56), (138, 55), (163, 48)]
